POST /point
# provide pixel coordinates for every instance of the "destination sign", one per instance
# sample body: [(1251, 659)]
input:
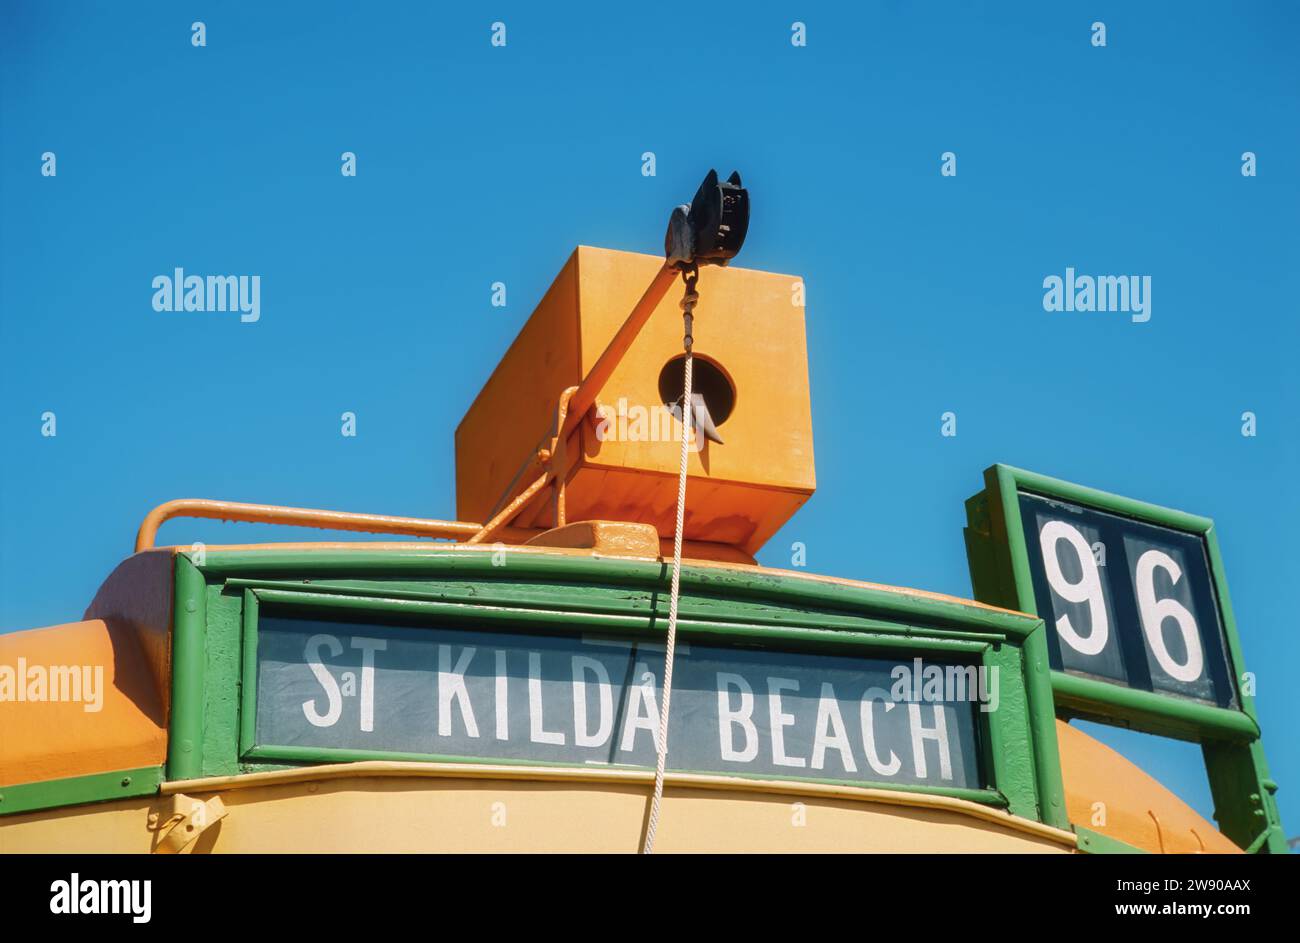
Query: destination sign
[(593, 700), (1126, 601)]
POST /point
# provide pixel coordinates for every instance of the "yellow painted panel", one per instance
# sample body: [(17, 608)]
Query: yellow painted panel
[(420, 814)]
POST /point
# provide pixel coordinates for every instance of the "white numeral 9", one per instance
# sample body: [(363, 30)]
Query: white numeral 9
[(1154, 612), (1087, 589)]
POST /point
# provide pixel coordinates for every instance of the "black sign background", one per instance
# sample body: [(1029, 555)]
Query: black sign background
[(534, 675), (1127, 658)]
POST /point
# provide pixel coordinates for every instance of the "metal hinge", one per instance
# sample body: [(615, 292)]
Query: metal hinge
[(181, 820)]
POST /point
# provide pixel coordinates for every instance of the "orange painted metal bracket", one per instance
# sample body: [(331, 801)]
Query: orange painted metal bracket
[(553, 461), (575, 403), (584, 397), (298, 517), (489, 530)]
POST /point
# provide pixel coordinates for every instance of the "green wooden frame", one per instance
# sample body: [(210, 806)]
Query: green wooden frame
[(378, 606), (1244, 793), (78, 790), (214, 694), (1095, 843)]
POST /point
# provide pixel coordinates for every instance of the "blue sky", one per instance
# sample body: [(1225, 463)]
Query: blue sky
[(479, 164)]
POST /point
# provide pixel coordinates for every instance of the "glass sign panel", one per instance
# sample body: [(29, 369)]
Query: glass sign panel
[(593, 700), (1126, 601)]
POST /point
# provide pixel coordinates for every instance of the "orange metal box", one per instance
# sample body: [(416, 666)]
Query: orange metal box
[(749, 325)]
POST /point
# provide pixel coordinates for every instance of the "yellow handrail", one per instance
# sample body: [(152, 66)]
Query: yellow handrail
[(574, 404), (301, 517)]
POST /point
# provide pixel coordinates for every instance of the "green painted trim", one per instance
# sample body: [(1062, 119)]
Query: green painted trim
[(223, 641), (248, 675), (185, 740), (1095, 843), (1001, 510), (996, 752), (1229, 621), (1154, 713), (1230, 632), (552, 592), (1042, 724), (1006, 502), (1008, 748), (317, 756), (897, 637), (1245, 797), (715, 581), (1266, 842), (78, 790), (1104, 500), (647, 605), (1244, 793), (915, 641)]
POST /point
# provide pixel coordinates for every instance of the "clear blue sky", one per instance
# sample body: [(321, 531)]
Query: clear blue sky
[(478, 164)]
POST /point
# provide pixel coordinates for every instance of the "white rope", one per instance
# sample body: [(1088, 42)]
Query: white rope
[(670, 647)]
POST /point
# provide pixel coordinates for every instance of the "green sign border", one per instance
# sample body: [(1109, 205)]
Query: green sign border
[(1243, 791), (218, 593), (217, 602), (76, 790), (795, 639)]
